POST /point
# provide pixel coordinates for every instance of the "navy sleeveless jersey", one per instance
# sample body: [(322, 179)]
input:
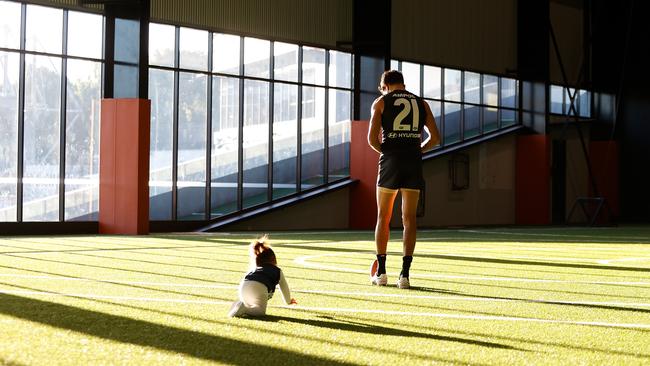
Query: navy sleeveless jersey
[(402, 121), (267, 274)]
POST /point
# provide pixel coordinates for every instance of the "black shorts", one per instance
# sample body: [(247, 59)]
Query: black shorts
[(398, 171)]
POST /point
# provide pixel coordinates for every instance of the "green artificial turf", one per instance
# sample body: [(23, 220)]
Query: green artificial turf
[(482, 296)]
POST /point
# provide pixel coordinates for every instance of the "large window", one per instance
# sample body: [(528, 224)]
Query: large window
[(465, 104), (560, 101), (240, 121), (52, 122)]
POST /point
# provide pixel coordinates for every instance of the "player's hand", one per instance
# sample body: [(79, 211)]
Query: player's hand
[(293, 302)]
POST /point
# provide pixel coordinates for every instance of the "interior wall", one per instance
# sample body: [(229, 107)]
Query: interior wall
[(324, 23), (568, 25), (577, 172), (326, 212), (490, 198), (470, 34)]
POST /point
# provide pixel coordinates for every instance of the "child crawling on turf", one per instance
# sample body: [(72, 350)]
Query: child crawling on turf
[(258, 286)]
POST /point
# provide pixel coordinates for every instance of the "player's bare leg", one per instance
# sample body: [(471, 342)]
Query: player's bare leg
[(385, 201), (409, 208)]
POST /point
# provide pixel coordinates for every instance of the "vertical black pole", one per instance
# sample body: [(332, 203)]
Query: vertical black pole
[(21, 118), (62, 126)]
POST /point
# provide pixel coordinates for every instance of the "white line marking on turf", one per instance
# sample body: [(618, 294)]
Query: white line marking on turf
[(640, 259), (109, 297), (303, 261), (471, 298), (339, 310), (109, 281), (558, 235)]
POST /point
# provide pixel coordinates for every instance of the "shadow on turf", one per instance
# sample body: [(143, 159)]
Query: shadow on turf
[(330, 322), (132, 331)]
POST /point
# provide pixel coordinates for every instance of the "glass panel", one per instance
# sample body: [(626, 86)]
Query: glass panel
[(340, 69), (225, 50), (161, 93), (10, 25), (85, 34), (452, 123), (313, 65), (452, 85), (509, 93), (285, 61), (193, 45), (256, 57), (44, 29), (584, 103), (162, 40), (557, 101), (285, 139), (256, 142), (125, 81), (82, 140), (42, 124), (9, 69), (394, 65), (313, 141), (127, 47), (432, 82), (436, 110), (339, 116), (490, 121), (508, 117), (192, 124), (472, 121), (411, 73), (472, 87), (225, 143), (567, 101), (490, 90)]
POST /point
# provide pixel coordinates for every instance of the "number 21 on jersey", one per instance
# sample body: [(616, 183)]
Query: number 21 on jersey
[(409, 105)]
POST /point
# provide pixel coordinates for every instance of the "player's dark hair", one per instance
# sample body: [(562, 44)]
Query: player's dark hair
[(392, 77), (262, 251)]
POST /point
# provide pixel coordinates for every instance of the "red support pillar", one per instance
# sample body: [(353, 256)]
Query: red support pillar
[(364, 165), (124, 167), (532, 180)]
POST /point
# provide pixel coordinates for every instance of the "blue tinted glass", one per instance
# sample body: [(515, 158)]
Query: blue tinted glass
[(125, 82), (127, 40)]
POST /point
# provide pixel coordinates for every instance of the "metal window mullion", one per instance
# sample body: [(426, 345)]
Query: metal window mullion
[(498, 103), (208, 136), (326, 129), (62, 124), (299, 125), (102, 71), (21, 118), (442, 107), (240, 134), (481, 103), (175, 127), (271, 93), (461, 128)]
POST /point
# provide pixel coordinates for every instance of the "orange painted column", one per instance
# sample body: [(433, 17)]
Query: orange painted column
[(532, 180), (124, 167), (364, 165)]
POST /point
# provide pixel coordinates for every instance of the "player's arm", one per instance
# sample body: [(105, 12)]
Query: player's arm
[(284, 288), (375, 124), (432, 130)]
